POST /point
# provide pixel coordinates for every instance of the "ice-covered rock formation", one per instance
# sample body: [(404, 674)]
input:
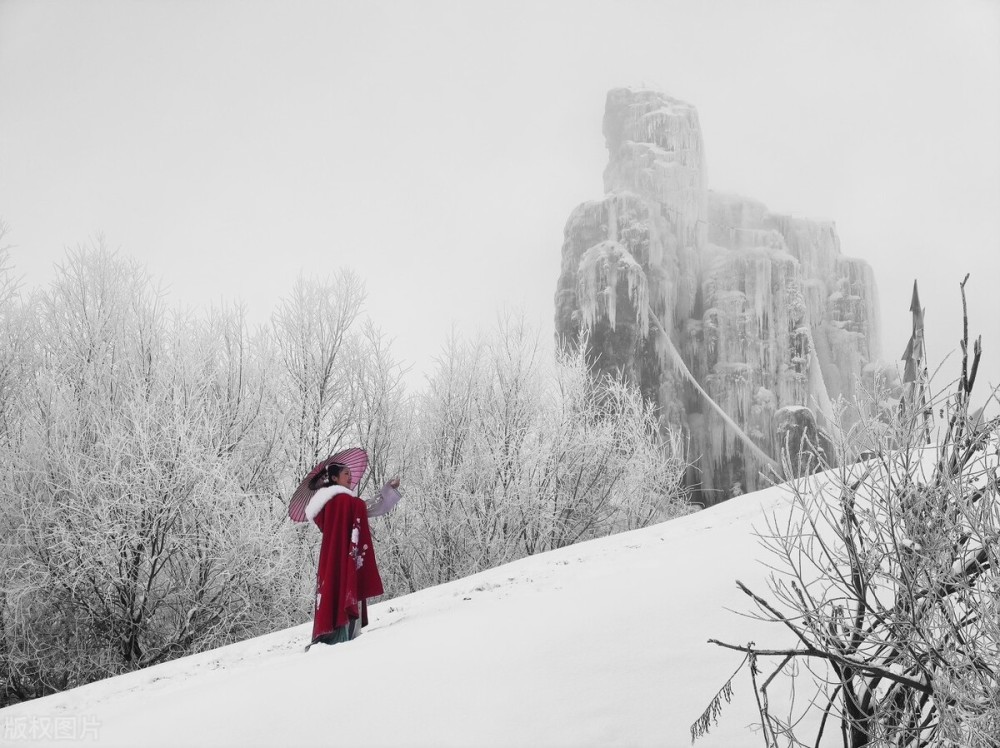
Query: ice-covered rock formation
[(743, 325)]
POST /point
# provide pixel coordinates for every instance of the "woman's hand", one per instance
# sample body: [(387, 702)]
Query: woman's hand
[(394, 483)]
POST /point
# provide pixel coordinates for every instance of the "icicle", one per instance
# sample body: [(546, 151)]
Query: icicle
[(599, 274)]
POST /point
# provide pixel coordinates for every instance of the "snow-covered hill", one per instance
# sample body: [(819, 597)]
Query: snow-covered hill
[(602, 644)]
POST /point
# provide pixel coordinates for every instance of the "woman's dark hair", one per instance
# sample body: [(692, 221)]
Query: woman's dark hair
[(327, 476)]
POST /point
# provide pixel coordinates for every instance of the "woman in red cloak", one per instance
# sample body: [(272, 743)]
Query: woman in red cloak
[(347, 573)]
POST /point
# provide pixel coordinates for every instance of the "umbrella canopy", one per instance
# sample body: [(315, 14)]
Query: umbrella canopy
[(356, 460)]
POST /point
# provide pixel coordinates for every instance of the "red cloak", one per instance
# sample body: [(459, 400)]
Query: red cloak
[(347, 571)]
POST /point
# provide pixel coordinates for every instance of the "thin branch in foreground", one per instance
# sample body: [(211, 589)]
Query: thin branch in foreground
[(711, 714)]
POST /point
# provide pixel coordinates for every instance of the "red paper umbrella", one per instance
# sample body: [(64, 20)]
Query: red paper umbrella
[(356, 460)]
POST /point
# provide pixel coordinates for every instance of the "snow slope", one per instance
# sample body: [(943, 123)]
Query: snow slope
[(602, 644)]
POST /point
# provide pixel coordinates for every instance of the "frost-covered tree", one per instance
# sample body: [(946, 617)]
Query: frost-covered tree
[(311, 328), (377, 393), (514, 455), (13, 341), (139, 500), (605, 462), (888, 584)]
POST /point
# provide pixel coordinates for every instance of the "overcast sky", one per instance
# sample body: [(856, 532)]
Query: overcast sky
[(438, 147)]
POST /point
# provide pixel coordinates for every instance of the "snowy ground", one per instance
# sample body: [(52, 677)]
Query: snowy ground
[(601, 644)]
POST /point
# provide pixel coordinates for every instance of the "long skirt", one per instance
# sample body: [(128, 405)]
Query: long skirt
[(351, 630)]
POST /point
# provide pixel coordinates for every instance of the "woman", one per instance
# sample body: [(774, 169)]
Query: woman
[(348, 573)]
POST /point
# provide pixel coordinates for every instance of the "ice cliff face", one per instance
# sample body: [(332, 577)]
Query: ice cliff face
[(718, 308)]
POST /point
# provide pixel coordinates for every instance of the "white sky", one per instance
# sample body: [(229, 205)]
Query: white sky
[(439, 147)]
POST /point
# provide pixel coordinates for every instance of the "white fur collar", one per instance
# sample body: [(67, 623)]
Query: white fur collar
[(319, 499)]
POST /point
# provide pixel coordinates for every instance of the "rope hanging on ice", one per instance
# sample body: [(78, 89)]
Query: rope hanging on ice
[(678, 362), (600, 269)]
